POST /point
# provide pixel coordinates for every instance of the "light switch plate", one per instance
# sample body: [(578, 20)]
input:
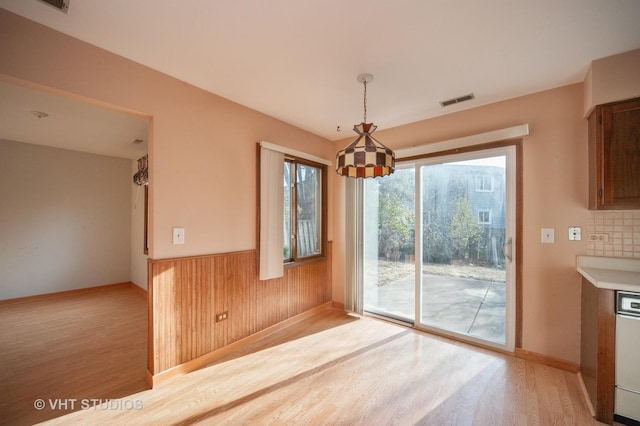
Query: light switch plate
[(548, 236), (178, 235), (575, 233)]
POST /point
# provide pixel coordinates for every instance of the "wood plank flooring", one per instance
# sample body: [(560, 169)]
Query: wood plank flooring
[(89, 345), (338, 369)]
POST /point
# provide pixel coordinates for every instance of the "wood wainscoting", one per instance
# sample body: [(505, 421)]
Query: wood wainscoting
[(187, 296)]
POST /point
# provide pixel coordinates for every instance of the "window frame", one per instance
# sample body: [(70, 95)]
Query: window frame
[(293, 259), (484, 211), (480, 183)]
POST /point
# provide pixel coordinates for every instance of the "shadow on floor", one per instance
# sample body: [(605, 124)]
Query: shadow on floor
[(304, 328)]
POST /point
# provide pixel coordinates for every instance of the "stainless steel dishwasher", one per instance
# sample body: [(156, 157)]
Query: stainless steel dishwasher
[(627, 405)]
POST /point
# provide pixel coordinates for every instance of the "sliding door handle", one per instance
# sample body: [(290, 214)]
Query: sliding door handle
[(508, 252)]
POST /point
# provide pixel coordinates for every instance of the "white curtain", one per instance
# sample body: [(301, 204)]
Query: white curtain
[(271, 214)]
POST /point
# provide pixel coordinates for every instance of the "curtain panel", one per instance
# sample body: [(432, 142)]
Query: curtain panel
[(271, 214)]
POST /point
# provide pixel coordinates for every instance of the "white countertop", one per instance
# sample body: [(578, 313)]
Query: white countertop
[(613, 273)]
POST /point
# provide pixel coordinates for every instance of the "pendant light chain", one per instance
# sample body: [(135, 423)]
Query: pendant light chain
[(365, 101), (365, 157)]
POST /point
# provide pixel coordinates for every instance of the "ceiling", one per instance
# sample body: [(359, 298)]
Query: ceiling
[(298, 60), (70, 124)]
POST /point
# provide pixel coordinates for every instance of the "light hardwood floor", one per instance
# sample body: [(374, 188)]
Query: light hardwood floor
[(70, 346), (334, 368)]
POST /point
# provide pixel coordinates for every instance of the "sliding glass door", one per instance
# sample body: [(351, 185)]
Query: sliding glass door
[(438, 245), (389, 245)]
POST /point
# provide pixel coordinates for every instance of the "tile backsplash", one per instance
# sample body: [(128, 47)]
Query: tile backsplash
[(618, 233)]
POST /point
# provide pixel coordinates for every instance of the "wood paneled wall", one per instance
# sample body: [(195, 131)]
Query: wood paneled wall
[(186, 294)]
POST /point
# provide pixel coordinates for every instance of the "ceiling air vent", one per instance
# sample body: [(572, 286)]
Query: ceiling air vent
[(61, 5), (464, 98)]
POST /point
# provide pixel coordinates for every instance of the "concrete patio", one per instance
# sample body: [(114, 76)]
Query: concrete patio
[(464, 305)]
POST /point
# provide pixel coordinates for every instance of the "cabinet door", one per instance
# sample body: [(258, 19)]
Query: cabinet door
[(621, 154)]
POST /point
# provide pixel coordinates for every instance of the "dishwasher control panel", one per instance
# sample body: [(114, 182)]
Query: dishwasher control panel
[(628, 303)]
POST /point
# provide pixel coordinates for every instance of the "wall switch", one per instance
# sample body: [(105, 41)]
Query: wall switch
[(223, 316), (548, 235), (178, 235), (575, 233)]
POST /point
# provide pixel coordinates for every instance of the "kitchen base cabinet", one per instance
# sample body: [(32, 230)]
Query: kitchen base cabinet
[(597, 348)]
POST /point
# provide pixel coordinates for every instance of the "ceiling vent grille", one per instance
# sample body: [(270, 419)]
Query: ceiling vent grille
[(453, 101), (61, 5)]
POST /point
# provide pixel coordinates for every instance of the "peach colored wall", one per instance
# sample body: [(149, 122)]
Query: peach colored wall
[(217, 203), (555, 196), (610, 79), (202, 149), (138, 274)]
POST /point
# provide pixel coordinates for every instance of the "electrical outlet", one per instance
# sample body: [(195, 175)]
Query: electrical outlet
[(599, 237), (575, 233), (223, 316)]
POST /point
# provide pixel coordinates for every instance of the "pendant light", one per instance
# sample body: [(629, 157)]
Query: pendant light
[(365, 157)]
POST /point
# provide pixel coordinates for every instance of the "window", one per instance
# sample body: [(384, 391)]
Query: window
[(303, 212), (484, 183), (292, 208), (484, 217)]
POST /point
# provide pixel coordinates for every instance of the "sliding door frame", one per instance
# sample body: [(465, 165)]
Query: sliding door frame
[(513, 331)]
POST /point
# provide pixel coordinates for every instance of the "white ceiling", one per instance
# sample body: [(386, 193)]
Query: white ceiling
[(70, 124), (297, 60)]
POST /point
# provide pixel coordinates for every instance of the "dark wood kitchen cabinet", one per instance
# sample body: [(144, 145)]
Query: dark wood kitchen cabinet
[(597, 348), (614, 156)]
